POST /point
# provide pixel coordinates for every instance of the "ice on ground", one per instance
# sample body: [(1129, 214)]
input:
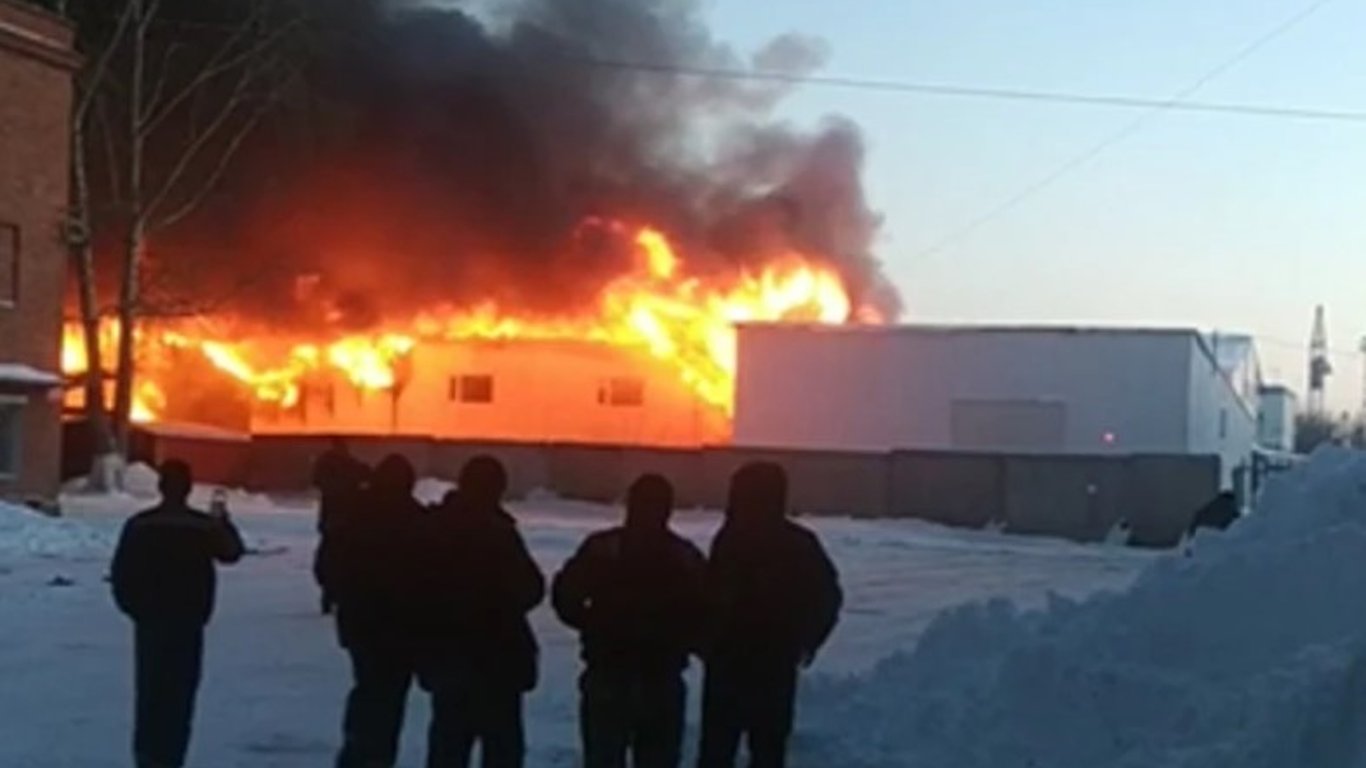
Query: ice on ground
[(27, 533), (275, 679), (1249, 652)]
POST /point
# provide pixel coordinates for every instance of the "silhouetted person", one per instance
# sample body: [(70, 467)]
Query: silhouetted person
[(1218, 513), (479, 655), (337, 475), (773, 598), (164, 579), (367, 566), (340, 479), (634, 593)]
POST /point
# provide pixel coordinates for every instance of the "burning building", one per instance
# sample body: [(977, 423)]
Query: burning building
[(497, 226), (650, 362)]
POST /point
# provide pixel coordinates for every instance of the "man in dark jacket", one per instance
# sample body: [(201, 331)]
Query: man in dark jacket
[(164, 580), (337, 475), (340, 479), (366, 564), (634, 593), (773, 599), (478, 650)]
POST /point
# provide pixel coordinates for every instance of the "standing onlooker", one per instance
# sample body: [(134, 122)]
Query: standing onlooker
[(773, 598), (479, 656), (367, 567), (164, 579), (635, 594), (340, 479)]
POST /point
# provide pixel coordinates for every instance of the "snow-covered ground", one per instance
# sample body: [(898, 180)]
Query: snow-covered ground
[(275, 679)]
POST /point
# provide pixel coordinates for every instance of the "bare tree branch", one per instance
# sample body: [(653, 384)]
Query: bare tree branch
[(94, 77), (163, 76), (225, 159), (150, 10), (111, 157), (225, 59), (229, 108), (166, 305)]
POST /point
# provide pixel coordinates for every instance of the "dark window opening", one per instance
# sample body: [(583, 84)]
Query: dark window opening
[(11, 412), (470, 389), (9, 264), (622, 391)]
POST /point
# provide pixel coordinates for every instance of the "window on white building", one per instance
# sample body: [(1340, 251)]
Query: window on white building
[(1223, 424), (622, 391), (11, 413), (470, 389)]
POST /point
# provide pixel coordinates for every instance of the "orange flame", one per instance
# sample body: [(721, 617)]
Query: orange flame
[(684, 321), (148, 401)]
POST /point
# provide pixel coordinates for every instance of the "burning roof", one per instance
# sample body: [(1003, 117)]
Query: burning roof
[(536, 170), (686, 323)]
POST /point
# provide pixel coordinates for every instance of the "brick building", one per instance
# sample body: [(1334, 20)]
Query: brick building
[(36, 66)]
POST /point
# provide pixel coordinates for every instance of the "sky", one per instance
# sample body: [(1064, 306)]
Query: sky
[(1218, 222)]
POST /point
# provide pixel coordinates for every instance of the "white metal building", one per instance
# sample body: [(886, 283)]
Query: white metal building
[(997, 389), (1276, 418)]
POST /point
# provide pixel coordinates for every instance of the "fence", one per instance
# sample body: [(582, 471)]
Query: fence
[(1075, 497)]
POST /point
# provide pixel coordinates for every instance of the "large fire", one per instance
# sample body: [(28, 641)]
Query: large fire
[(684, 321)]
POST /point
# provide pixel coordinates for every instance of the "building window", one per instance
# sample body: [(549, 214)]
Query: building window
[(9, 264), (470, 389), (1223, 424), (622, 391), (11, 412)]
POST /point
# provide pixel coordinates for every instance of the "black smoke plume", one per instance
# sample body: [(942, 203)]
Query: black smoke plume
[(451, 152)]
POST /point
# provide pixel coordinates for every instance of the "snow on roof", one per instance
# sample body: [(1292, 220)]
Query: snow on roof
[(192, 431), (930, 328), (18, 373)]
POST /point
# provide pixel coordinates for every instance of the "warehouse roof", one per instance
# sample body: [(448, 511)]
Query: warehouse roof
[(1202, 341)]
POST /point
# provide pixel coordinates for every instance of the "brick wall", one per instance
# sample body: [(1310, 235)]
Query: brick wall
[(36, 64)]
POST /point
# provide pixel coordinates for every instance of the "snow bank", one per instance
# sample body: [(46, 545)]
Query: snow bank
[(141, 481), (1251, 651), (24, 532), (431, 490)]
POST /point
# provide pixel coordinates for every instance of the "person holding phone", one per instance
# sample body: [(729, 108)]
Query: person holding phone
[(164, 579)]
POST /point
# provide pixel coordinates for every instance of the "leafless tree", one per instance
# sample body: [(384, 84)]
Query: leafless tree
[(164, 106), (79, 237)]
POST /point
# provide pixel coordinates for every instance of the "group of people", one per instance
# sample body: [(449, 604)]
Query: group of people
[(438, 597)]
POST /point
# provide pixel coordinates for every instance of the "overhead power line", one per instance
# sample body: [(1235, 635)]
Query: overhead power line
[(1179, 98), (984, 92)]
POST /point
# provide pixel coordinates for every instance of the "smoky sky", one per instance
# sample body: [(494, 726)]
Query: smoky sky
[(449, 152)]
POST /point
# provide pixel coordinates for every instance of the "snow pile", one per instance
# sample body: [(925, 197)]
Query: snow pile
[(431, 490), (133, 481), (1250, 652), (141, 481), (24, 532)]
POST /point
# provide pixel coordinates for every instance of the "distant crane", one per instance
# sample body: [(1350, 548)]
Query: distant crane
[(1319, 367), (1362, 414)]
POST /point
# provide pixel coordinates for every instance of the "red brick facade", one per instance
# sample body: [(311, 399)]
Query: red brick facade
[(36, 66)]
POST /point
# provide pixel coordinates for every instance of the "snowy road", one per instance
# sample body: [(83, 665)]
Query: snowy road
[(275, 678)]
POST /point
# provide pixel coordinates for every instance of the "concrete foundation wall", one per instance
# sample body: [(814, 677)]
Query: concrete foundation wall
[(527, 465), (1075, 497), (959, 489), (820, 482), (1164, 493), (1072, 497)]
